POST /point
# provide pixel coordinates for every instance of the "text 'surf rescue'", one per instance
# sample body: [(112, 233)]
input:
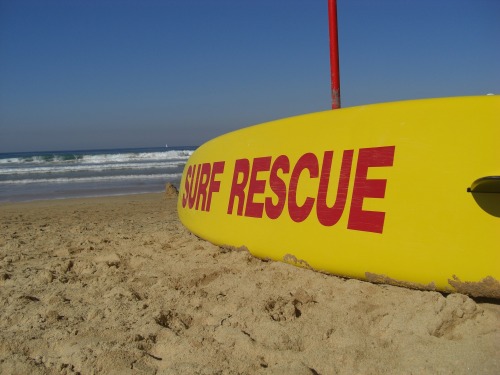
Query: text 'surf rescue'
[(253, 195)]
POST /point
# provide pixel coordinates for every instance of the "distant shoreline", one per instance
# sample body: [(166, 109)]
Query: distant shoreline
[(71, 174)]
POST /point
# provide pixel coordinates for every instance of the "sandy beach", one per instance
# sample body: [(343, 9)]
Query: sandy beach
[(117, 285)]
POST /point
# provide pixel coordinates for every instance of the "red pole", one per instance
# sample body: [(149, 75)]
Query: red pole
[(334, 53)]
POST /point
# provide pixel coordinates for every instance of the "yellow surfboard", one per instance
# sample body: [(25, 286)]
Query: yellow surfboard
[(404, 193)]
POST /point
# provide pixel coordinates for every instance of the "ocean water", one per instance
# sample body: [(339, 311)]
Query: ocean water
[(66, 174)]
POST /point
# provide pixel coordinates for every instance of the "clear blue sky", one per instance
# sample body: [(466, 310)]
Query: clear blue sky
[(87, 74)]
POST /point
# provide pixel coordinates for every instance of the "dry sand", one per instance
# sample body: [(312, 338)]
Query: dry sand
[(118, 286)]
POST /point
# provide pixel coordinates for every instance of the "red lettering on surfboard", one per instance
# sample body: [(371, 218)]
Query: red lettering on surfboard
[(256, 186), (250, 179), (199, 185), (187, 186), (241, 168), (298, 212), (278, 186), (329, 216), (214, 186), (194, 186), (369, 221), (202, 185)]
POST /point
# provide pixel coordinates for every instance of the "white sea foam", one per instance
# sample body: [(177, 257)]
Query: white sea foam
[(65, 180), (142, 156), (23, 170), (79, 173), (100, 158)]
